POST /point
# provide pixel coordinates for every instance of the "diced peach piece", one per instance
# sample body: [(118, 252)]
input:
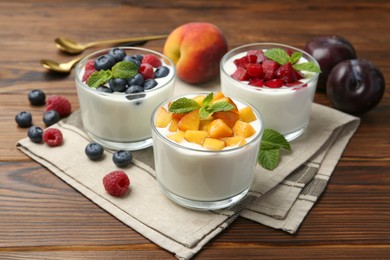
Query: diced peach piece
[(213, 144), (228, 117), (177, 136), (243, 129), (199, 99), (163, 117), (234, 140), (177, 116), (195, 136), (204, 124), (219, 129), (173, 125), (228, 100), (247, 114), (190, 121), (218, 95)]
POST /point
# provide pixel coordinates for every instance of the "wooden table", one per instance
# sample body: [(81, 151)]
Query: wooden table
[(42, 217)]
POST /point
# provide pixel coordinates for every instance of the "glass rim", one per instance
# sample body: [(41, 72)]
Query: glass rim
[(230, 150), (78, 69), (280, 45)]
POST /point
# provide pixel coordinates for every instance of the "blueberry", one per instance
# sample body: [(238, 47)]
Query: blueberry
[(149, 84), (122, 158), (23, 119), (36, 97), (104, 89), (132, 59), (161, 72), (35, 134), (117, 84), (117, 53), (138, 80), (51, 117), (134, 89), (94, 151), (104, 62)]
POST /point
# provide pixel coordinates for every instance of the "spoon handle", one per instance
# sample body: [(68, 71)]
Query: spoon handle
[(126, 40)]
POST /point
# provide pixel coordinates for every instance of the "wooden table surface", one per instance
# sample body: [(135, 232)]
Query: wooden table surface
[(41, 217)]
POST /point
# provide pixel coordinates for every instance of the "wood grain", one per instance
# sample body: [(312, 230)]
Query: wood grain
[(41, 217)]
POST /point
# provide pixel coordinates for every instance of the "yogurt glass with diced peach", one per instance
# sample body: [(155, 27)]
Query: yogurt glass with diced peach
[(279, 80), (205, 149)]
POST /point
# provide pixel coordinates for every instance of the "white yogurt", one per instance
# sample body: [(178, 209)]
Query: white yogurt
[(203, 179), (287, 109), (114, 120)]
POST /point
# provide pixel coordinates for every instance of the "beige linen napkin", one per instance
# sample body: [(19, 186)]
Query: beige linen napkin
[(279, 198)]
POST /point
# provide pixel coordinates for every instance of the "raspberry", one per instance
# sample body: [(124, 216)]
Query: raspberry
[(240, 74), (52, 136), (116, 183), (90, 65), (286, 73), (152, 60), (59, 104), (146, 71)]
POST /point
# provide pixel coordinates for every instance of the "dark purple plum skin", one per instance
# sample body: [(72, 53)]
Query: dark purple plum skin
[(355, 86), (329, 51)]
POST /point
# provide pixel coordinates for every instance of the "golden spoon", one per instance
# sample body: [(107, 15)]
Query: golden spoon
[(72, 47), (65, 67)]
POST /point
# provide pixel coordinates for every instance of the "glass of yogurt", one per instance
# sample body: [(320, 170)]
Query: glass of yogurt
[(118, 120), (285, 108), (197, 177)]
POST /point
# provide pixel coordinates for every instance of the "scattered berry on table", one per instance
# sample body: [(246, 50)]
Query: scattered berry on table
[(118, 84), (161, 72), (116, 183), (23, 119), (59, 104), (117, 53), (35, 134), (104, 62), (94, 151), (37, 97), (122, 158), (52, 137), (152, 60), (51, 117)]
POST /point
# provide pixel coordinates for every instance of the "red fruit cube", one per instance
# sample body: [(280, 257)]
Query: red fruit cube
[(256, 82), (241, 62), (254, 70), (259, 54), (294, 83), (240, 74), (269, 68), (274, 83), (286, 73)]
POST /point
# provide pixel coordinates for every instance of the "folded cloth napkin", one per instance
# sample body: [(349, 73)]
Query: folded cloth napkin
[(279, 199)]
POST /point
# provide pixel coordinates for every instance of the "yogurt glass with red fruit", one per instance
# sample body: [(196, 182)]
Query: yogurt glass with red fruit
[(282, 94), (198, 175), (118, 117)]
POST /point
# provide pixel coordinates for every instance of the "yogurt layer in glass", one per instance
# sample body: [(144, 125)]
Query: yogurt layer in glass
[(121, 121), (199, 178), (285, 109)]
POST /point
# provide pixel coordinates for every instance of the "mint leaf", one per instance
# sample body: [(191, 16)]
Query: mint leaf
[(307, 66), (220, 106), (99, 78), (124, 70), (183, 105), (273, 140), (295, 57), (278, 55), (269, 159), (271, 143), (208, 99), (203, 113)]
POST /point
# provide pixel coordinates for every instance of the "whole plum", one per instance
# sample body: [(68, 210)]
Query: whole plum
[(329, 51), (355, 86)]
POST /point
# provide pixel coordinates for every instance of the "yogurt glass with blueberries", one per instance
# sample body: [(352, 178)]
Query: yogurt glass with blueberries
[(118, 89)]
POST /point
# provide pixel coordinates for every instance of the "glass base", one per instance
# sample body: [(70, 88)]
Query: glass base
[(204, 205), (129, 146), (294, 135)]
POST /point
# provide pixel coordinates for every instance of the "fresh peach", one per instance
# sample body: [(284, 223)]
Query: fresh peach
[(196, 49)]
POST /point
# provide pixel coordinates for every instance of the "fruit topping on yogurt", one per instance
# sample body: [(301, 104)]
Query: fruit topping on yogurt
[(118, 72), (212, 122), (272, 68)]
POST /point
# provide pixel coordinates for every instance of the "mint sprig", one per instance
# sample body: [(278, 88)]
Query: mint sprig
[(281, 57), (271, 144), (123, 69), (186, 105)]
